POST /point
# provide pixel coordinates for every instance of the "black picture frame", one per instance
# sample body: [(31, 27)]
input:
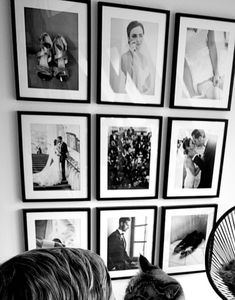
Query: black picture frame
[(57, 227), (115, 85), (137, 241), (52, 61), (128, 168), (40, 150), (203, 62), (194, 173), (185, 230)]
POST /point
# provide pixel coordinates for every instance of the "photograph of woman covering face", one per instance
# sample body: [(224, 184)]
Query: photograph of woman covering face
[(134, 63), (133, 54)]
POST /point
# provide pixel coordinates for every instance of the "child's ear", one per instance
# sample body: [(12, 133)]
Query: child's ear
[(145, 265)]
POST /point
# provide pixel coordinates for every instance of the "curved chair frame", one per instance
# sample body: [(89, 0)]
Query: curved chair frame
[(220, 249)]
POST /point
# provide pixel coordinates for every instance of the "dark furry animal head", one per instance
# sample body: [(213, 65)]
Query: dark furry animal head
[(227, 273), (153, 284)]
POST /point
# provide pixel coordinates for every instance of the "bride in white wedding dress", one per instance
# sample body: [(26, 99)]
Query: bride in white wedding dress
[(192, 173), (51, 173)]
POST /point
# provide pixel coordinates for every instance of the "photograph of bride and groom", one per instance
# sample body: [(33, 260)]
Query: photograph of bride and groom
[(195, 153), (55, 157), (54, 149), (195, 159)]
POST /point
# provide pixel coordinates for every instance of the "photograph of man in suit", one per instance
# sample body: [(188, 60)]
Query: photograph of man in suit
[(206, 162), (63, 156), (118, 259)]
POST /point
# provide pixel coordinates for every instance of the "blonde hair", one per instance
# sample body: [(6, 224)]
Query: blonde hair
[(55, 273)]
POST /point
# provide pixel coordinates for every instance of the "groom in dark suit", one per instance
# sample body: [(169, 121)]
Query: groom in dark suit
[(118, 258), (205, 163), (63, 155)]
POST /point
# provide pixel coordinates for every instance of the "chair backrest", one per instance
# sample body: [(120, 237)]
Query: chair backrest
[(220, 250)]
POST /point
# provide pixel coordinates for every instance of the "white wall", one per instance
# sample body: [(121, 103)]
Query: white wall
[(11, 225)]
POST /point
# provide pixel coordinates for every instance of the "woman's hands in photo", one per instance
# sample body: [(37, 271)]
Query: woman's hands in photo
[(132, 46), (217, 80), (201, 96)]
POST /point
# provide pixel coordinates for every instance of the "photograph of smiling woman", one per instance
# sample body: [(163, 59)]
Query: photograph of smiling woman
[(131, 66), (134, 63)]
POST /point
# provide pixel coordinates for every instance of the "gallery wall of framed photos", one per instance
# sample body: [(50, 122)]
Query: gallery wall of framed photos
[(107, 115)]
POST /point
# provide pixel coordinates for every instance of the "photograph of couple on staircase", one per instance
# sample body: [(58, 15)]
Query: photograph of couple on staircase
[(55, 163), (55, 155), (52, 173)]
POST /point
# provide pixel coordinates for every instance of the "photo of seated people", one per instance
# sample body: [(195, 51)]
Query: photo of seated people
[(129, 158)]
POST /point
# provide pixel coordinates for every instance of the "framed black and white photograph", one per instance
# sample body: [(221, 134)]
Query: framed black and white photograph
[(203, 62), (128, 156), (194, 157), (184, 234), (52, 50), (61, 227), (54, 156), (123, 233), (132, 49)]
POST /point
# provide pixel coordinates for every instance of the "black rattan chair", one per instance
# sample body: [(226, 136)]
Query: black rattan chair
[(220, 250)]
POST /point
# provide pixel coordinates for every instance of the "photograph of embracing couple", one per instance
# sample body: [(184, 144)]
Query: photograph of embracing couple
[(195, 159), (54, 171), (55, 157), (195, 150)]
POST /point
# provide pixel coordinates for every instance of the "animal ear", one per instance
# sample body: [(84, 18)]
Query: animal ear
[(172, 290), (145, 265)]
